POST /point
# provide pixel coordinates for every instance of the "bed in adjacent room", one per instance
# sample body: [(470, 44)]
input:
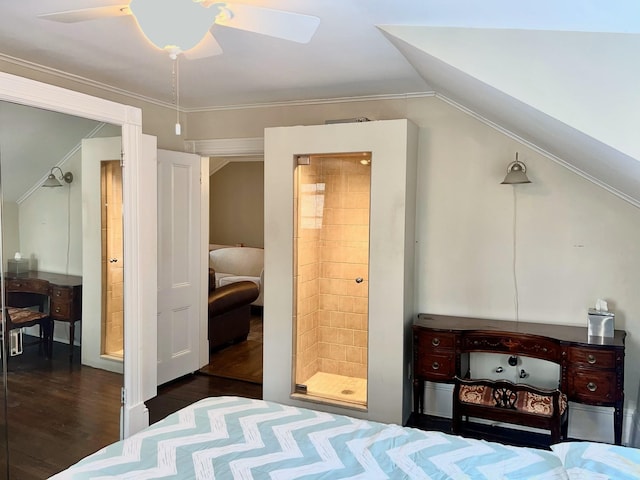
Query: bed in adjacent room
[(240, 438)]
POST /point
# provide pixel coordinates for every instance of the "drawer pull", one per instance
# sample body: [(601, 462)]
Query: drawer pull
[(591, 359), (592, 387), (435, 365), (435, 342), (57, 309)]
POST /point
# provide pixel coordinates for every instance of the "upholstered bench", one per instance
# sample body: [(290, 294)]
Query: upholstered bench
[(516, 403), (230, 312)]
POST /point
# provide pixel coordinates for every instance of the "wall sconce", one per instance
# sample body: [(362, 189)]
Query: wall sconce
[(52, 181), (516, 173)]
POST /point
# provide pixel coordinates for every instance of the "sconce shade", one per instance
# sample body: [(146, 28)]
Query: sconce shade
[(52, 181), (516, 173)]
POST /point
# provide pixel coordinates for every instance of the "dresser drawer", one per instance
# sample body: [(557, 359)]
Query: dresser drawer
[(591, 386), (60, 310), (62, 294), (436, 367), (592, 357), (27, 285), (434, 341)]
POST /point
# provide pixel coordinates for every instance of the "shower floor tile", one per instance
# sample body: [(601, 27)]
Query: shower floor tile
[(338, 387)]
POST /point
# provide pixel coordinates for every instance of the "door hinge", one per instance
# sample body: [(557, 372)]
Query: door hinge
[(121, 159), (123, 396)]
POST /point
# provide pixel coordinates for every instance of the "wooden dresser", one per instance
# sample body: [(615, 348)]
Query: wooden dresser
[(591, 368), (65, 294)]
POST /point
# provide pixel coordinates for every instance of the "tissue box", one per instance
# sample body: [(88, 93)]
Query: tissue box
[(601, 324), (18, 266)]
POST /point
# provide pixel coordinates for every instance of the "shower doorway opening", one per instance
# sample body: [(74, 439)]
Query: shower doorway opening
[(331, 277), (112, 338)]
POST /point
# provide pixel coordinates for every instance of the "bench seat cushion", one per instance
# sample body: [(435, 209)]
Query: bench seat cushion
[(525, 401)]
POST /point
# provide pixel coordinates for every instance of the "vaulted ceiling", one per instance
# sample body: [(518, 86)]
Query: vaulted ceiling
[(561, 76)]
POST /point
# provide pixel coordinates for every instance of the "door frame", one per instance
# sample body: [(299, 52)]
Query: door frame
[(140, 228)]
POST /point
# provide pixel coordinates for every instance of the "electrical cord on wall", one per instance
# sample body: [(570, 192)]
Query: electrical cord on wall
[(513, 359), (68, 227), (515, 277)]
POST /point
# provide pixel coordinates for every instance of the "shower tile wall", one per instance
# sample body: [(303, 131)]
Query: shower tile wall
[(307, 233), (333, 338)]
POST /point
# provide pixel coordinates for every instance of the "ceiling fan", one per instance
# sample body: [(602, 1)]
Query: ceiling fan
[(183, 26)]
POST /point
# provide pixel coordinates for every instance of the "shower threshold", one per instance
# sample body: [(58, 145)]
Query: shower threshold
[(338, 387)]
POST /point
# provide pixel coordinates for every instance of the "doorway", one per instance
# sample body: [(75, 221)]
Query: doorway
[(236, 219)]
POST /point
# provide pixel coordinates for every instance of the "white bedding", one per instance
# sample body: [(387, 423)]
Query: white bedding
[(238, 438)]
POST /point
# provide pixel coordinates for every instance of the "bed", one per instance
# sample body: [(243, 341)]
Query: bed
[(240, 438)]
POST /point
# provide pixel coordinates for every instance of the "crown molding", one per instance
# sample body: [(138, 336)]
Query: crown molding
[(81, 80), (125, 93), (227, 147), (317, 101)]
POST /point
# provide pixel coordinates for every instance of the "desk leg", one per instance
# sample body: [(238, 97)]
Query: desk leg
[(617, 423), (72, 336), (418, 396)]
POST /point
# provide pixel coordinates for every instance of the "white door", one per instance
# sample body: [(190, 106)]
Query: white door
[(182, 265)]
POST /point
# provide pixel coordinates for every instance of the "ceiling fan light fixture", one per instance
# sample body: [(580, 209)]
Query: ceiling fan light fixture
[(173, 25)]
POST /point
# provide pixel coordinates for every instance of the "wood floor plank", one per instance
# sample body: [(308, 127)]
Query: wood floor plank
[(241, 361)]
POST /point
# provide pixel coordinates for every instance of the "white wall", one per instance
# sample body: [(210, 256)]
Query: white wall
[(51, 224), (10, 231), (576, 241)]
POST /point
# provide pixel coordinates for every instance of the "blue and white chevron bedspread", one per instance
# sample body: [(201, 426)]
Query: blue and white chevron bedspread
[(237, 438)]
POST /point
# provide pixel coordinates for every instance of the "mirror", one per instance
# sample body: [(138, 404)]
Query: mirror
[(139, 247), (49, 235)]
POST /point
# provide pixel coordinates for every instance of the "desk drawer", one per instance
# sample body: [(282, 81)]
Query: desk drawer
[(592, 357), (62, 294), (436, 367), (530, 345), (60, 310), (434, 341), (27, 285), (592, 387)]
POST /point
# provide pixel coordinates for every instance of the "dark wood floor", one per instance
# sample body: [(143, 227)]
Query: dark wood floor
[(59, 412), (243, 360)]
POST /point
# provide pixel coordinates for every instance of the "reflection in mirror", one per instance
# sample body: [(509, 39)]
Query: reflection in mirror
[(50, 236), (112, 338), (4, 441)]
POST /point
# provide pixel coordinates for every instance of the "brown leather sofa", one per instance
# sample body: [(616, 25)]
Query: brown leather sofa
[(229, 311)]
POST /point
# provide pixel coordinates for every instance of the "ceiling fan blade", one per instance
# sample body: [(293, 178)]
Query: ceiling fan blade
[(84, 14), (208, 47), (266, 21)]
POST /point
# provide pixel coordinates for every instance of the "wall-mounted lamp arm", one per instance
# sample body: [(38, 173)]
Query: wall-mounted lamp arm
[(53, 181)]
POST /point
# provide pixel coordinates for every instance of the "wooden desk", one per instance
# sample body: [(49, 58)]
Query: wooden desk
[(65, 294), (591, 368)]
